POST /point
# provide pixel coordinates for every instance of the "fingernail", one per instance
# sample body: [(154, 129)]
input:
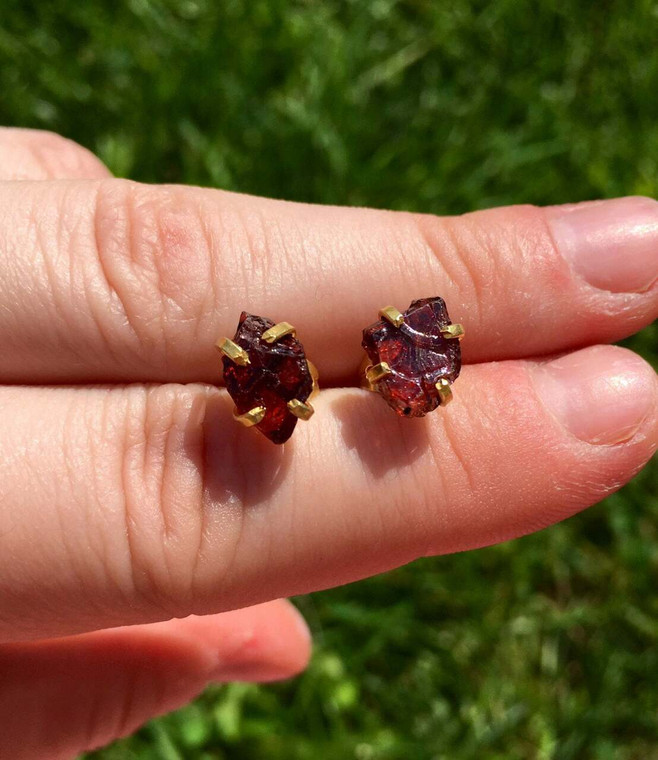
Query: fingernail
[(613, 244), (601, 395)]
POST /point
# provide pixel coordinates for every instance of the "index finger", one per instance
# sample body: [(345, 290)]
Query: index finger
[(115, 281)]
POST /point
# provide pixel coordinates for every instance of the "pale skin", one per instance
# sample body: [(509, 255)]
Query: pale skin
[(131, 498)]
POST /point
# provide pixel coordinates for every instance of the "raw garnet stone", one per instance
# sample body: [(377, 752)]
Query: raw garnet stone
[(418, 355), (277, 373)]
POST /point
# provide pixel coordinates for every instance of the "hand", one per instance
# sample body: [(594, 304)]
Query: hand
[(130, 496)]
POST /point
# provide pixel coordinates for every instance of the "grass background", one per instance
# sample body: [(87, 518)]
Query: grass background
[(541, 648)]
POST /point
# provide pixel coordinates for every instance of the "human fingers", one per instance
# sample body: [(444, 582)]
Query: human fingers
[(127, 505), (30, 154), (64, 696), (116, 281)]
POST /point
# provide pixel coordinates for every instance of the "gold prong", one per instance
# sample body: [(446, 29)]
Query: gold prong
[(300, 409), (445, 391), (232, 351), (376, 373), (453, 331), (392, 315), (315, 376), (250, 418), (277, 332), (365, 365)]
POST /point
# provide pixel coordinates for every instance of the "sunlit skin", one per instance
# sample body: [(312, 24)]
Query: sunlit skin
[(130, 496)]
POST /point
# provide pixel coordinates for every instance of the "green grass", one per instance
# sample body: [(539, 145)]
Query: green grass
[(541, 648)]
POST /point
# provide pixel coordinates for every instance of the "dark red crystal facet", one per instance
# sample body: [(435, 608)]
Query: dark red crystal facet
[(277, 373), (418, 355)]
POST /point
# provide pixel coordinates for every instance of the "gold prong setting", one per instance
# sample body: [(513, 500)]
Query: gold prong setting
[(445, 391), (377, 372), (303, 411), (315, 375), (392, 315), (232, 351), (453, 332), (252, 417), (275, 390), (412, 357), (278, 331)]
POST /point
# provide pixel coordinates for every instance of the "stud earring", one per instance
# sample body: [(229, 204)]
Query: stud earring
[(413, 358), (268, 376)]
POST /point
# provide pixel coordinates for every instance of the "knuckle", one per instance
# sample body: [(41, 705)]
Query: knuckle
[(181, 514), (486, 254), (507, 247), (161, 461), (451, 245), (154, 252)]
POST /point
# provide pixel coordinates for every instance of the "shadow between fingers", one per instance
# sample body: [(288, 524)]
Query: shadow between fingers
[(239, 465), (383, 441)]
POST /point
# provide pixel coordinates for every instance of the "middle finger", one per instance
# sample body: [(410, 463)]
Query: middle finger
[(129, 504)]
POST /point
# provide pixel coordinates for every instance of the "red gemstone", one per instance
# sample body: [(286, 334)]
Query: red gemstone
[(418, 355), (277, 373)]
